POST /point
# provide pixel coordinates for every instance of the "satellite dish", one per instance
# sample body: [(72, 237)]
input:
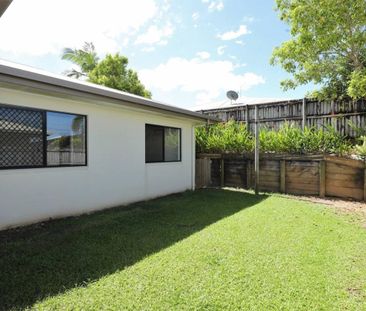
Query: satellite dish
[(232, 95)]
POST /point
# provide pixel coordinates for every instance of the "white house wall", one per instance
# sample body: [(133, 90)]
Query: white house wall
[(116, 173)]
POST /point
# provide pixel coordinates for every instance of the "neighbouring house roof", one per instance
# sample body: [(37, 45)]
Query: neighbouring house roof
[(24, 76), (9, 126), (241, 101)]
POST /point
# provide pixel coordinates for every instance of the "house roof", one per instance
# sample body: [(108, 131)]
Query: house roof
[(241, 101), (16, 74), (4, 5)]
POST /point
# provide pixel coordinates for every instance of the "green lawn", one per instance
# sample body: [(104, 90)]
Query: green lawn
[(210, 250)]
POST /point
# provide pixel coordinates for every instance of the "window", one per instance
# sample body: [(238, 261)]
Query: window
[(65, 139), (39, 138), (21, 137), (162, 144)]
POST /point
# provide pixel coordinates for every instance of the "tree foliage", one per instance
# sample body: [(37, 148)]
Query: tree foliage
[(327, 46), (111, 71), (85, 58)]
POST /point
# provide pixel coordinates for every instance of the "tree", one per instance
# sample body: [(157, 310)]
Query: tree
[(327, 46), (112, 71), (86, 58)]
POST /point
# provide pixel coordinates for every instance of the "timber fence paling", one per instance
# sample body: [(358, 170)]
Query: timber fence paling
[(203, 172), (317, 175), (302, 112)]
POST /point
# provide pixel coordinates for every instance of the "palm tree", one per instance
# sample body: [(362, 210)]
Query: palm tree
[(111, 71), (86, 58), (77, 140), (78, 129)]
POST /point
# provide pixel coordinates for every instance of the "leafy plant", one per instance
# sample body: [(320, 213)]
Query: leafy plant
[(359, 131), (224, 137), (234, 137), (361, 149)]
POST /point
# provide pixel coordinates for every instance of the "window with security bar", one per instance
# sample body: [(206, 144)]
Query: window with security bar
[(38, 138)]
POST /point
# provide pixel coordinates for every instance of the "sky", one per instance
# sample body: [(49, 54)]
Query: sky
[(187, 53)]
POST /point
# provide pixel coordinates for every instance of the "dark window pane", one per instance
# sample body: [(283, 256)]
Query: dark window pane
[(66, 139), (172, 144), (21, 137), (154, 138), (162, 144)]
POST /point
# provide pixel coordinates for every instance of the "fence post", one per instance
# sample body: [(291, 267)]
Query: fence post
[(256, 151), (222, 172), (249, 174), (303, 123), (322, 178), (364, 182), (283, 176), (247, 118), (207, 172), (332, 112), (198, 174)]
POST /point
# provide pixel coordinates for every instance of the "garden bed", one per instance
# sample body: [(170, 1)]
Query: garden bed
[(314, 175)]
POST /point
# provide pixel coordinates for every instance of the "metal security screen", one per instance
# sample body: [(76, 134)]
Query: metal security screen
[(21, 137)]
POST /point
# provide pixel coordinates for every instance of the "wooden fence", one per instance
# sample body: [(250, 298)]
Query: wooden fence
[(65, 158), (303, 175), (203, 172), (311, 113)]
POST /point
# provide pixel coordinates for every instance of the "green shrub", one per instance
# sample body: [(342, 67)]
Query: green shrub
[(224, 137), (234, 137), (361, 149)]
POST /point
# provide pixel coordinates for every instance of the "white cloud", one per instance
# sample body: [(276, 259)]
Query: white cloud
[(166, 5), (125, 41), (240, 65), (195, 16), (148, 49), (155, 35), (248, 19), (240, 42), (214, 5), (221, 49), (40, 27), (206, 79), (163, 42), (203, 55), (230, 35)]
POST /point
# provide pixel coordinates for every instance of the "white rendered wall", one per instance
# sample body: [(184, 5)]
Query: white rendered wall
[(116, 173)]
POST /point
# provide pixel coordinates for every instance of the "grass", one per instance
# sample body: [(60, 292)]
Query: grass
[(207, 250)]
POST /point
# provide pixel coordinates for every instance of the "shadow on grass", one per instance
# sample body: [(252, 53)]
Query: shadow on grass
[(44, 260)]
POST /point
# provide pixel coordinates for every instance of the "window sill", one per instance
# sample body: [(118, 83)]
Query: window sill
[(163, 162), (39, 167)]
